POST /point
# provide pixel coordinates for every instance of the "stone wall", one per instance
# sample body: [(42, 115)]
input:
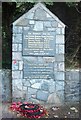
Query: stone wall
[(6, 85), (72, 85)]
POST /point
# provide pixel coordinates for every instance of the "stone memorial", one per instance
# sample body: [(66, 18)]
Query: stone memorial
[(38, 72)]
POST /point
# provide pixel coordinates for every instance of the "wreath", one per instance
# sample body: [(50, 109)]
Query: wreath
[(28, 110)]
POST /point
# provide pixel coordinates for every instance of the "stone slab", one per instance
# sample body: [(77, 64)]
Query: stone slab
[(42, 95)]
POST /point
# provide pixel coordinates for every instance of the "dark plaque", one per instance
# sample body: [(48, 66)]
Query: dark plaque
[(39, 43), (39, 68)]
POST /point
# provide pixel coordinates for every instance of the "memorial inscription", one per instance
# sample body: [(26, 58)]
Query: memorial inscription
[(38, 44)]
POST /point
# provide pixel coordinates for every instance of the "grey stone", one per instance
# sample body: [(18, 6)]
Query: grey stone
[(45, 86), (51, 29), (19, 29), (17, 74), (31, 21), (59, 39), (58, 30), (40, 14), (47, 24), (61, 66), (60, 86), (16, 55), (14, 47), (20, 65), (30, 92), (17, 38), (59, 58), (36, 85), (26, 83), (62, 30), (15, 29), (54, 23), (38, 26), (22, 22), (59, 76), (61, 49), (52, 87), (30, 15), (15, 65), (19, 47), (42, 95)]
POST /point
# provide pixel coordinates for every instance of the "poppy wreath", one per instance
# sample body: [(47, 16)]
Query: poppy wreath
[(28, 110)]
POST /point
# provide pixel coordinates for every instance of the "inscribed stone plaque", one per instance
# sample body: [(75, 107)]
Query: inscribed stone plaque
[(39, 68), (39, 43)]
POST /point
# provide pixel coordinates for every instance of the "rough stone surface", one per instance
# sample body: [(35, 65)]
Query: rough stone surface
[(38, 56), (42, 95)]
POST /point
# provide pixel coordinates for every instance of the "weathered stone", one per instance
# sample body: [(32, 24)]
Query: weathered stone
[(38, 26), (30, 92), (36, 85), (45, 86), (60, 86), (19, 29), (17, 38), (51, 29), (20, 65), (15, 65), (54, 99), (31, 21), (14, 47), (30, 15), (17, 83), (59, 58), (58, 30), (61, 66), (61, 49), (42, 95), (47, 24), (62, 30), (52, 87), (54, 23), (16, 55), (59, 39), (19, 47), (26, 83), (40, 14), (17, 74), (59, 76)]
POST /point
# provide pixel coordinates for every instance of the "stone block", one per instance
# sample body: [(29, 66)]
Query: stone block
[(40, 14), (61, 49), (17, 38), (51, 29), (47, 24), (38, 26), (62, 30), (54, 23), (59, 76), (20, 65), (61, 66), (30, 92), (19, 29), (16, 55), (17, 74), (30, 15), (15, 29), (19, 47), (59, 85), (15, 65), (26, 83), (36, 85), (31, 21), (59, 39), (45, 86), (59, 58), (17, 83), (52, 87), (58, 30), (42, 95), (14, 47)]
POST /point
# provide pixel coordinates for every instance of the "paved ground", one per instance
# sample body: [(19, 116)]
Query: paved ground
[(66, 111)]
